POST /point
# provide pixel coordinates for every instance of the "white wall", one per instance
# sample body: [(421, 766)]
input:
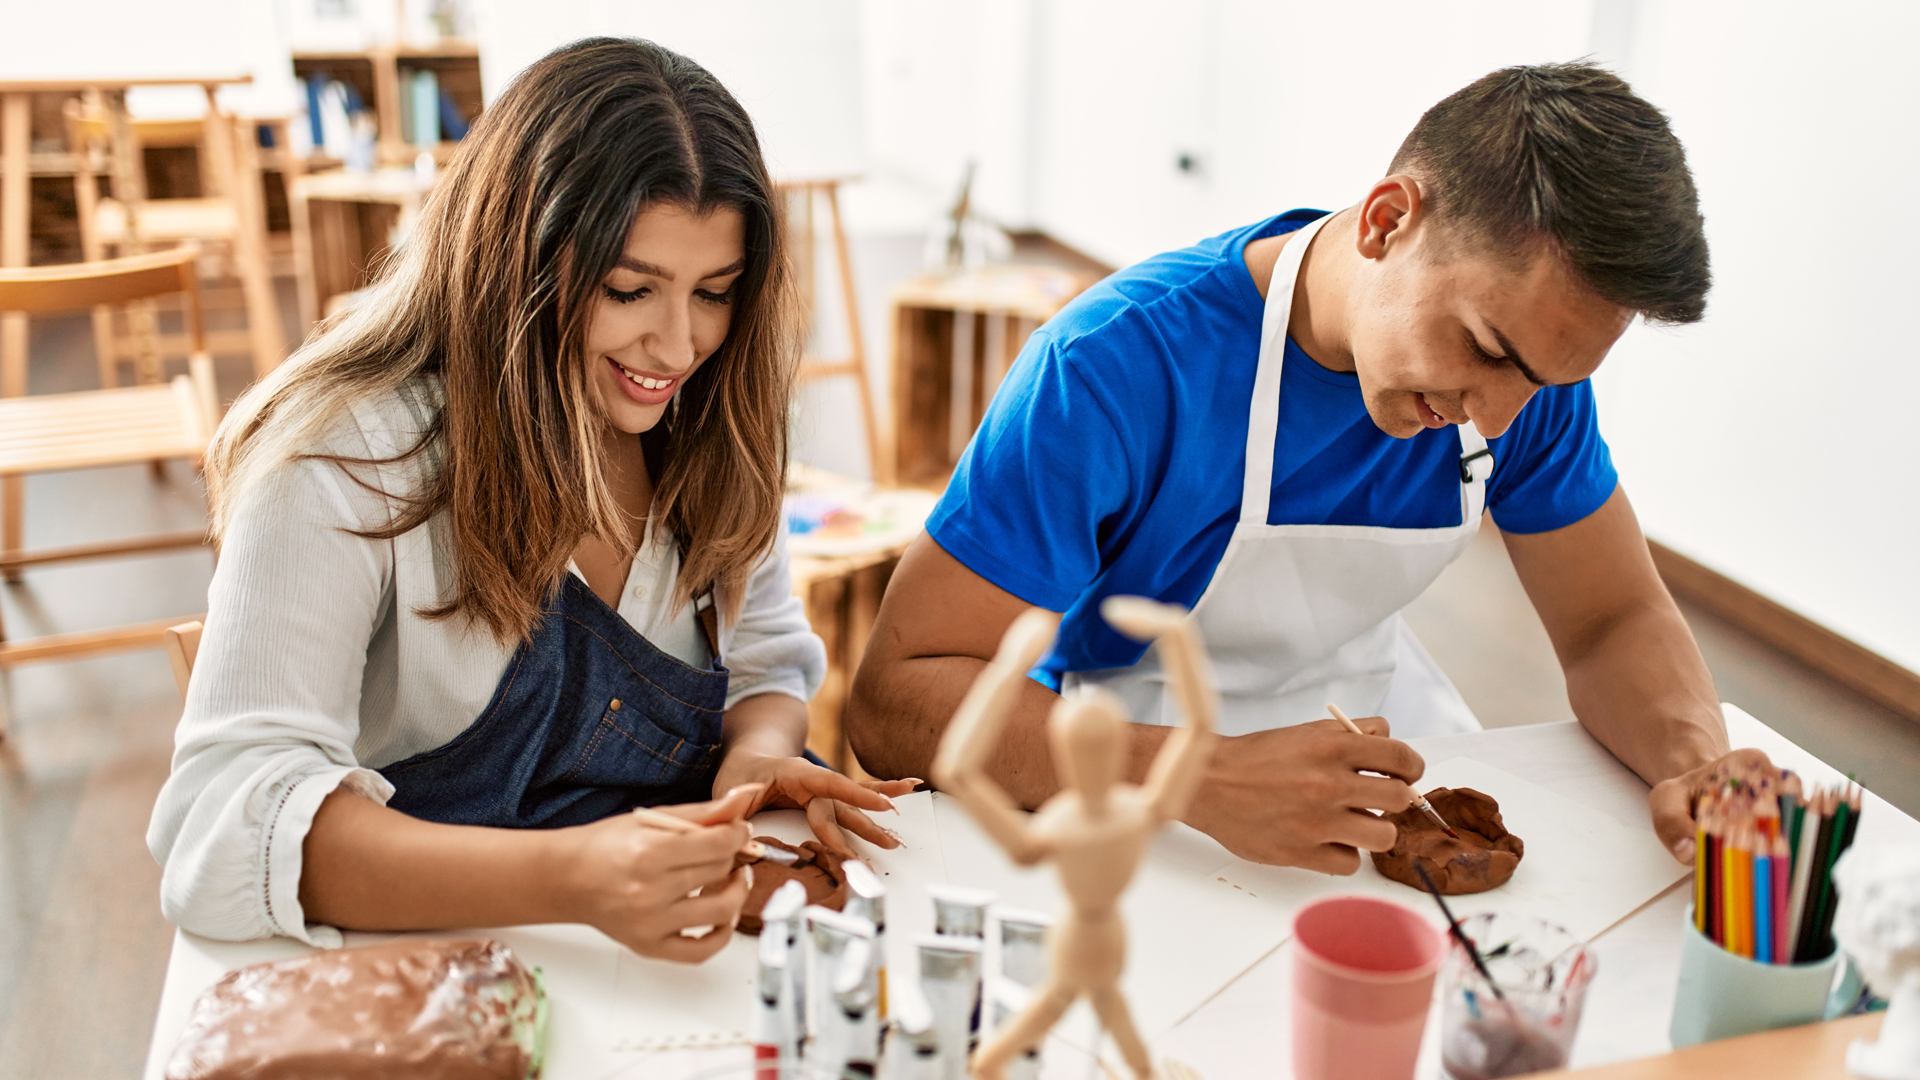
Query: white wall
[(1769, 441)]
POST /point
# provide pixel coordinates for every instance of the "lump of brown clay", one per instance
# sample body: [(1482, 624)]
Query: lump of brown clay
[(413, 1009), (1484, 856), (818, 869)]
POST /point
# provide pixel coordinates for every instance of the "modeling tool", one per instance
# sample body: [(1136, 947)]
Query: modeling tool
[(1419, 800), (753, 849)]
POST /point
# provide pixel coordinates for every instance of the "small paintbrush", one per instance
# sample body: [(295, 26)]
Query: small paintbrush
[(1460, 936), (1419, 800), (754, 849)]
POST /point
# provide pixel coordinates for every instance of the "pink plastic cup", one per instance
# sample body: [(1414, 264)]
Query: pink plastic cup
[(1362, 981)]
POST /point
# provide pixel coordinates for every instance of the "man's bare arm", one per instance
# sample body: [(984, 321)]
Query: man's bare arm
[(1635, 676), (1297, 796), (938, 627)]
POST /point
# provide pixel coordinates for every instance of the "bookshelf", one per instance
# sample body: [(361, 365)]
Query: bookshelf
[(381, 77)]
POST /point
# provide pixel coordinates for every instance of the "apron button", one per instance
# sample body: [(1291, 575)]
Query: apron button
[(615, 707)]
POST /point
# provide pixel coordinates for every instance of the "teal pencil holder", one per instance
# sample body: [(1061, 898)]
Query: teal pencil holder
[(1722, 995)]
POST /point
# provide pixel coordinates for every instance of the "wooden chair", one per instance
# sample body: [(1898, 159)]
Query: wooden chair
[(802, 197), (229, 215), (96, 428), (183, 646)]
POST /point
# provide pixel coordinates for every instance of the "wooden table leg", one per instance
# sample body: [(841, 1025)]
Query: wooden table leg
[(15, 122)]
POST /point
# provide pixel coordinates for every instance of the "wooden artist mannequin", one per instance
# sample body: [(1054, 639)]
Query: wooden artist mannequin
[(1096, 829)]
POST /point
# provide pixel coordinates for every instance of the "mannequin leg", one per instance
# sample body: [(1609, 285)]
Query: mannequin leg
[(1111, 1006), (990, 1061)]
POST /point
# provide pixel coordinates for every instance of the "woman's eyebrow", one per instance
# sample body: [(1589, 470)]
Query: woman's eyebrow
[(628, 262)]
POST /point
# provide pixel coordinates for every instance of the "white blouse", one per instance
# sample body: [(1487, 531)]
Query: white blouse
[(316, 668)]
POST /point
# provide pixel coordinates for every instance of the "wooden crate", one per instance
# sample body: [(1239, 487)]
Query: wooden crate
[(954, 337)]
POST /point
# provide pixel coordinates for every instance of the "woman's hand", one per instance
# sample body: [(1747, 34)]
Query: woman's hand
[(834, 803), (643, 886)]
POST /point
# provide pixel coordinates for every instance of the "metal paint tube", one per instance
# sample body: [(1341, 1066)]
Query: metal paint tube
[(828, 934), (950, 978), (962, 912), (780, 918), (913, 1051), (770, 1038), (868, 899), (856, 990), (959, 912), (1021, 938)]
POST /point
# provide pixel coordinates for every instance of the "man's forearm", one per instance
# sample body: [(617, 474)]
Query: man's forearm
[(896, 716), (1642, 689)]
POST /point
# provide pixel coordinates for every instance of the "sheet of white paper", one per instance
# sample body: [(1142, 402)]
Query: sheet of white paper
[(1188, 935), (1582, 869)]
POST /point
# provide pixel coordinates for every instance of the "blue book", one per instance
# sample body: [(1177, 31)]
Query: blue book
[(425, 92), (452, 125)]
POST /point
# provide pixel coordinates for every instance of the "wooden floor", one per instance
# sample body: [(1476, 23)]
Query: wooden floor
[(83, 949)]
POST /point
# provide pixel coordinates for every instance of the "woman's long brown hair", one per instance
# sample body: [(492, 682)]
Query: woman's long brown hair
[(492, 297)]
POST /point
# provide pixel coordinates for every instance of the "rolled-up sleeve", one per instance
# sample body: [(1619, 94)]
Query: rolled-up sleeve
[(772, 649), (273, 708)]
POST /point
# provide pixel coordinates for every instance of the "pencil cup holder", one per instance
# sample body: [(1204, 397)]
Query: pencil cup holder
[(1722, 995)]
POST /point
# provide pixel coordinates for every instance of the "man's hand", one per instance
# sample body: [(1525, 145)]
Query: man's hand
[(1295, 796), (1674, 801)]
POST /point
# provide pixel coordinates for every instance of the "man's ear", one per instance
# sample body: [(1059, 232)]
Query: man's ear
[(1389, 211)]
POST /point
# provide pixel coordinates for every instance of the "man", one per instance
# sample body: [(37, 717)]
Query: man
[(1293, 428)]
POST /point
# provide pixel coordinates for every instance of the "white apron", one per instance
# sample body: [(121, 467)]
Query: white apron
[(1297, 616)]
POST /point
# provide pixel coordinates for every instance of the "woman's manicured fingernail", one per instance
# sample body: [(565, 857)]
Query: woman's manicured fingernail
[(1683, 849)]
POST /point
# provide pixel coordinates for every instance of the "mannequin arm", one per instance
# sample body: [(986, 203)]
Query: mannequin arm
[(959, 768), (1178, 767)]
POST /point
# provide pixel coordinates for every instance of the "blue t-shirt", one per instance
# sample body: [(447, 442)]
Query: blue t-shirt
[(1112, 457)]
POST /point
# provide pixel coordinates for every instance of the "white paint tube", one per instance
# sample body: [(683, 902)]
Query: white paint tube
[(867, 898), (828, 934), (770, 1037), (959, 912), (856, 990), (780, 918), (913, 1051), (1022, 954), (950, 978), (962, 913)]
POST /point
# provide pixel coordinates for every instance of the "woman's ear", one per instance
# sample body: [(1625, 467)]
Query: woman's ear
[(1388, 214)]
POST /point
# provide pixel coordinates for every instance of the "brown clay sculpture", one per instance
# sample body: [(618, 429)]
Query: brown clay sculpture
[(818, 869), (1483, 857)]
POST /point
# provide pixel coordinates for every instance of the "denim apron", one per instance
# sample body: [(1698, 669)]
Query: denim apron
[(589, 720)]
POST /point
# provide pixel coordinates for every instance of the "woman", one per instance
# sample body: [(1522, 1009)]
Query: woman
[(501, 553)]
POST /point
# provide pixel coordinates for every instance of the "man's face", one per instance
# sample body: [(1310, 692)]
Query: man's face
[(1444, 332)]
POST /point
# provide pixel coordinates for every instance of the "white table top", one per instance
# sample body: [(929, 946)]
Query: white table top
[(1240, 1031)]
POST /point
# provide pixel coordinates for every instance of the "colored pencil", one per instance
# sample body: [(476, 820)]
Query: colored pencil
[(1762, 901), (1781, 868), (1700, 872), (1716, 885), (1816, 871), (1802, 874)]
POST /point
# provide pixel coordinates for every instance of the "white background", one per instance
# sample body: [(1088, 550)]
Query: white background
[(1766, 442)]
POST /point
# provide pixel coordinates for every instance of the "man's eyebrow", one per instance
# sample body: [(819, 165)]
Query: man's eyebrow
[(627, 262), (1513, 355)]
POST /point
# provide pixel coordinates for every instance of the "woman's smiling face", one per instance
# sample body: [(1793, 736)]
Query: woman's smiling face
[(663, 309)]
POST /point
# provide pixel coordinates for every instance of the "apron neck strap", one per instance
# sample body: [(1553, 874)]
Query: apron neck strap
[(1263, 415)]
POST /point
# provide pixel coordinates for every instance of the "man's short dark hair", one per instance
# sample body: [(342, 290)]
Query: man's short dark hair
[(1569, 155)]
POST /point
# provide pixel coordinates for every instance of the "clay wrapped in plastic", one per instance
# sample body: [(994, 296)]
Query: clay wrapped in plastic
[(425, 1010)]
